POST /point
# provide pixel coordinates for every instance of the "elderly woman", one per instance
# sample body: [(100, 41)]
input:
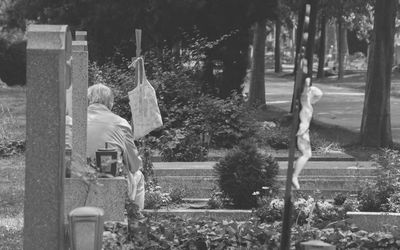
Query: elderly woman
[(103, 126)]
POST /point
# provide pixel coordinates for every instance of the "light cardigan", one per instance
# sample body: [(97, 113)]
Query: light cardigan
[(104, 126)]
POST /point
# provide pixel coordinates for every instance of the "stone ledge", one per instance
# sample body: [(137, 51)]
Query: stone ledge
[(312, 168), (374, 221), (110, 197), (282, 155), (218, 214)]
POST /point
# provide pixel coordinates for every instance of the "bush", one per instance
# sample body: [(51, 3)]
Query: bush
[(243, 171), (339, 199), (154, 198), (177, 145), (380, 194), (13, 62)]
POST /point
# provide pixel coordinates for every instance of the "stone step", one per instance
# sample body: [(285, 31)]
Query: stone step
[(203, 186), (316, 168), (282, 155)]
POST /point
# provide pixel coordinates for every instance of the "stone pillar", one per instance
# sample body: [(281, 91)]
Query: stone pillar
[(48, 49), (79, 99)]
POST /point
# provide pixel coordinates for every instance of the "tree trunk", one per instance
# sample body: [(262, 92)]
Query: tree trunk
[(277, 54), (341, 46), (235, 60), (376, 125), (321, 52), (257, 84)]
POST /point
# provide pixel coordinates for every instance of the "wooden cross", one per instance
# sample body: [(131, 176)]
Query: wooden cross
[(299, 86)]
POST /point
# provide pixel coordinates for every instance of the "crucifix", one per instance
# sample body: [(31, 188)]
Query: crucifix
[(301, 109)]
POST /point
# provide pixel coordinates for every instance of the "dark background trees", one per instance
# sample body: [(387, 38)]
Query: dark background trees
[(165, 24)]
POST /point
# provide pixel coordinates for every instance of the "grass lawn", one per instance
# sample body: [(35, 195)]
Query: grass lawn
[(12, 175), (12, 170), (12, 113)]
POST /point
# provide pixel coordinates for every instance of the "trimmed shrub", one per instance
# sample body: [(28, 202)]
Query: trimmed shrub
[(245, 170)]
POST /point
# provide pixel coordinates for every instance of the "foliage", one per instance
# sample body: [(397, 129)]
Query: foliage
[(243, 171), (277, 137), (192, 121), (380, 194), (9, 148), (177, 194), (8, 144), (177, 145), (166, 25), (147, 164), (154, 198), (315, 213), (120, 79), (171, 232), (339, 199), (13, 62), (132, 210), (216, 200)]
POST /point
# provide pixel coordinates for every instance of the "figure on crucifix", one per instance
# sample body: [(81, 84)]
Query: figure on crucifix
[(310, 96)]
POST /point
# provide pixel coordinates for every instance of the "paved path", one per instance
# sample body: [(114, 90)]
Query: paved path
[(339, 106)]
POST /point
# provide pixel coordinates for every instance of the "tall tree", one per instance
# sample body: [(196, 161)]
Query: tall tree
[(376, 124), (321, 47), (348, 14), (341, 44), (257, 84), (277, 49)]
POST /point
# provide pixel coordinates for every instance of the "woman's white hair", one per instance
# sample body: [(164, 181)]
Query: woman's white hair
[(100, 93)]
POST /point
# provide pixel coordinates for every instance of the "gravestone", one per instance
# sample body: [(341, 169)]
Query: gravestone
[(80, 36), (48, 49), (79, 98)]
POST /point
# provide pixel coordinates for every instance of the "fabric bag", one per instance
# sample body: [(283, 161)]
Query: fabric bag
[(146, 114)]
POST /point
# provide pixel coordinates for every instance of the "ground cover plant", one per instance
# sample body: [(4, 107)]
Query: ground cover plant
[(171, 232)]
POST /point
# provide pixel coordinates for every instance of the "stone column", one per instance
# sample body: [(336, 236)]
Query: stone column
[(79, 98), (48, 49)]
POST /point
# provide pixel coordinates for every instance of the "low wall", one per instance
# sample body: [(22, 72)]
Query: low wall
[(374, 221)]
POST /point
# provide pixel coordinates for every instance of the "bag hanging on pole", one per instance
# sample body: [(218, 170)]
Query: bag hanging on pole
[(146, 114)]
